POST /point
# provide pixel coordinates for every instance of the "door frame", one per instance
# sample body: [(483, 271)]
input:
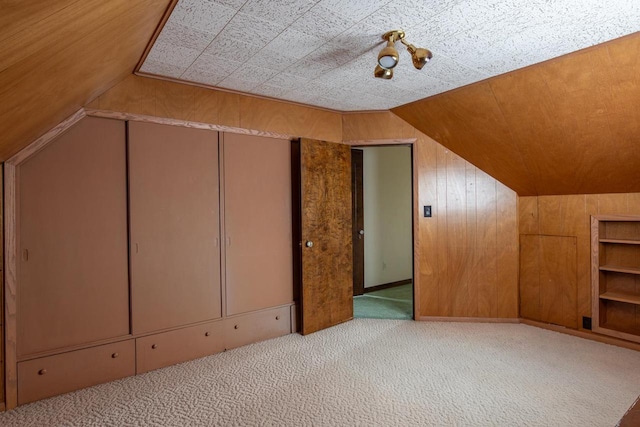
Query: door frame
[(412, 143), (357, 221)]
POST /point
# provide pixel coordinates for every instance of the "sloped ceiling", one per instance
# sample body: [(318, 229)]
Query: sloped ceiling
[(570, 125), (57, 55)]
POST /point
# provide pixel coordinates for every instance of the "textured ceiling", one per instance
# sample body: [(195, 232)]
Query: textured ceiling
[(323, 52)]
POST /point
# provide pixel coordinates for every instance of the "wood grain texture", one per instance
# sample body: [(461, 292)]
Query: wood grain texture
[(245, 114), (375, 126), (571, 216), (486, 245), (558, 290), (468, 273), (132, 95), (469, 122), (17, 15), (2, 333), (521, 127), (52, 66), (357, 220), (459, 266), (292, 119), (507, 252), (327, 277), (530, 277), (528, 222), (375, 142), (10, 294), (180, 123), (425, 257), (615, 278)]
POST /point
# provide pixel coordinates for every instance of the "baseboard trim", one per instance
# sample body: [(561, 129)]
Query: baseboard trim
[(583, 334), (387, 285), (468, 319), (632, 416)]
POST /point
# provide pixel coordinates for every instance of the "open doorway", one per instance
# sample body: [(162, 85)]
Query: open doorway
[(382, 232)]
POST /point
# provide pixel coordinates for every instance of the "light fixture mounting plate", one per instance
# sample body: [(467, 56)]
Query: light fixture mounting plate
[(393, 36)]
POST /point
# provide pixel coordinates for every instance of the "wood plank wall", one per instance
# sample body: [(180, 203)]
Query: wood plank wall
[(468, 251), (564, 218), (522, 126), (152, 97)]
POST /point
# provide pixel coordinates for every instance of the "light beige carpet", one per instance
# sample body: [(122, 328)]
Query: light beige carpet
[(371, 372)]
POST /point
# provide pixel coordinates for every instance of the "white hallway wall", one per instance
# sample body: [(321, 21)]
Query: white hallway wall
[(387, 214)]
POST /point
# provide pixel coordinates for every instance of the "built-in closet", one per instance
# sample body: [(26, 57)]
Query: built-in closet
[(141, 245)]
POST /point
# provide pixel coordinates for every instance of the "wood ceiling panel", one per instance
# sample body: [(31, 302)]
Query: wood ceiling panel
[(100, 45), (20, 14), (470, 123), (566, 126), (66, 25)]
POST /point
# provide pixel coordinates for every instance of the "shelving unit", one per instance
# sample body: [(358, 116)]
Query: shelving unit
[(615, 275)]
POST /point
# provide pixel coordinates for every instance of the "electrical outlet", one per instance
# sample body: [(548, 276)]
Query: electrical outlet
[(384, 265)]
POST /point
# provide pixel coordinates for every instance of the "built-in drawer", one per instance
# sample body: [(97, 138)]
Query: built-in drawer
[(258, 326), (169, 348), (62, 373)]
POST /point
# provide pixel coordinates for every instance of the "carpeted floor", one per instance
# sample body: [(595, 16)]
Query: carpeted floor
[(372, 373), (391, 303)]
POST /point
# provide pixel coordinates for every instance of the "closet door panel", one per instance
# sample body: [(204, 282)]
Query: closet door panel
[(72, 239), (257, 183), (174, 214)]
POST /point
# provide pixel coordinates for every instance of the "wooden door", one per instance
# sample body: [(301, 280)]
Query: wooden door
[(358, 236), (326, 276), (72, 240), (257, 222), (174, 216)]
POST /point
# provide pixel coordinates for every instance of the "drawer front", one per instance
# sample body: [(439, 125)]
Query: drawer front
[(169, 348), (62, 373), (254, 327)]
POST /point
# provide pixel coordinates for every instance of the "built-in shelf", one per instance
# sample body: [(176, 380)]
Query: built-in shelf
[(614, 245), (614, 268), (621, 241), (621, 297)]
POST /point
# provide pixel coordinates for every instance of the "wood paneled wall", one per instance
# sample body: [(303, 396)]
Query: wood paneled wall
[(565, 219), (467, 253), (57, 55), (523, 127), (141, 95)]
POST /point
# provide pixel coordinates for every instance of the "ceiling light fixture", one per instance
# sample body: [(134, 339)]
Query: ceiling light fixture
[(388, 56)]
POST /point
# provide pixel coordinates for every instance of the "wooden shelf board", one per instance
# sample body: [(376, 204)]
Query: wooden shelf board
[(624, 332), (621, 241), (621, 297), (616, 269)]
